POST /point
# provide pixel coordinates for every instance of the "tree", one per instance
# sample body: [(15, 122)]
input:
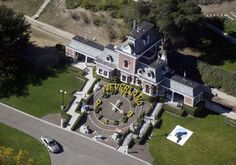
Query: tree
[(8, 156), (178, 20), (14, 31)]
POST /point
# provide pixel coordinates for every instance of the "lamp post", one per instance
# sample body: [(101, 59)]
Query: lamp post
[(62, 99)]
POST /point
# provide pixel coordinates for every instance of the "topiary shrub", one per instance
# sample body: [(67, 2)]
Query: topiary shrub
[(125, 119), (116, 122)]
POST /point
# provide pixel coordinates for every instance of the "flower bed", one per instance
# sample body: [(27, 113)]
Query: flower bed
[(98, 103), (125, 90), (130, 114)]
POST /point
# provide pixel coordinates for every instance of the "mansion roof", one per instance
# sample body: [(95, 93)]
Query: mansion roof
[(88, 42), (141, 30), (182, 85)]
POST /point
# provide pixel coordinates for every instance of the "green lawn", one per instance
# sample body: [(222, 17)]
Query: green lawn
[(230, 27), (17, 140), (212, 142), (46, 98)]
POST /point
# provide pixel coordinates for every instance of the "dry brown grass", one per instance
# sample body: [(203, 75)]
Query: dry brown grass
[(28, 7), (221, 8), (57, 15)]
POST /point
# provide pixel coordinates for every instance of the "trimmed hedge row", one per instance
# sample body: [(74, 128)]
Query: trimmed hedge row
[(144, 137), (218, 78), (67, 119), (77, 122), (179, 112), (194, 111), (92, 86)]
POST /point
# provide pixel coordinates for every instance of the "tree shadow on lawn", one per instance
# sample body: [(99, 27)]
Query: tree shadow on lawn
[(215, 49), (26, 70), (184, 63), (204, 113)]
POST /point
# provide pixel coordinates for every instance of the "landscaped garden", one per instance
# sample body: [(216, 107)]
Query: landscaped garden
[(212, 141), (46, 98), (17, 140)]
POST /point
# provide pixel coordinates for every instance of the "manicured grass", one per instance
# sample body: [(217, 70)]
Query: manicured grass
[(229, 66), (17, 140), (212, 142), (46, 98), (230, 27)]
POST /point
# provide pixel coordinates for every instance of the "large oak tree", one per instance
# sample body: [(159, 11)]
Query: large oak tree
[(178, 20), (14, 33)]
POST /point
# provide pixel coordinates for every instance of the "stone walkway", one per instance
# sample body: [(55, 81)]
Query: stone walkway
[(80, 95), (39, 12), (220, 109), (229, 15)]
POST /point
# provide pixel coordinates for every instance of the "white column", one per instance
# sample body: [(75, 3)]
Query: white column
[(172, 97), (86, 60)]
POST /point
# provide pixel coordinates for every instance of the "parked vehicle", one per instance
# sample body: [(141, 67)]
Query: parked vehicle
[(50, 143)]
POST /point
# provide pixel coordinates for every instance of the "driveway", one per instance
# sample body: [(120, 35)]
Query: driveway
[(77, 148)]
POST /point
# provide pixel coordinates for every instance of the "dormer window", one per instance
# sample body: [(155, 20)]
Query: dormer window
[(126, 64), (146, 40), (140, 71), (150, 74), (109, 58)]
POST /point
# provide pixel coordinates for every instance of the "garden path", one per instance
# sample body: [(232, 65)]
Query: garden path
[(80, 95)]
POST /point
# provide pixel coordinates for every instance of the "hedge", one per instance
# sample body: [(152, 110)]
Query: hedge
[(77, 122), (218, 78), (150, 98), (150, 110), (194, 111), (176, 111), (144, 137), (92, 86), (67, 119)]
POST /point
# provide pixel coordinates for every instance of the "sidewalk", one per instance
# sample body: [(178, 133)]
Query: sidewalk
[(79, 96), (219, 109)]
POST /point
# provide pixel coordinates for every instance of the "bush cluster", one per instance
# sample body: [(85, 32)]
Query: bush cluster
[(218, 78), (179, 112)]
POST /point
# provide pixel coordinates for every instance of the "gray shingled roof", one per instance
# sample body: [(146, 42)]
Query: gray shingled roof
[(88, 42), (181, 85), (140, 30)]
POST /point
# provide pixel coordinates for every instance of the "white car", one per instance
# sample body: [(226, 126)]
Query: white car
[(50, 143)]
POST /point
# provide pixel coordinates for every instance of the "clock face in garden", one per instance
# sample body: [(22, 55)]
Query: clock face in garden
[(117, 105)]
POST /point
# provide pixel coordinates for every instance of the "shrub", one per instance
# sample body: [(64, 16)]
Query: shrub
[(98, 110), (98, 103), (71, 4), (149, 98), (217, 77), (112, 34), (78, 109), (106, 121), (99, 20), (125, 119), (149, 111), (176, 111), (130, 114), (60, 47), (158, 123), (116, 122), (77, 122), (194, 111), (85, 18), (92, 86), (75, 16)]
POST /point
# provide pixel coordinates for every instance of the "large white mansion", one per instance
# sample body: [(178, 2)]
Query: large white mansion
[(137, 61)]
